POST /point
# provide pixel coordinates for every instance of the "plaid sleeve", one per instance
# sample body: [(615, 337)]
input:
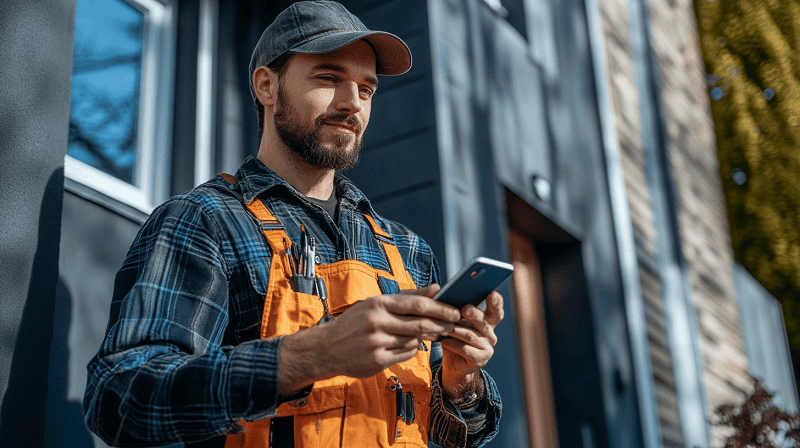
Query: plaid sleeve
[(451, 427), (161, 375)]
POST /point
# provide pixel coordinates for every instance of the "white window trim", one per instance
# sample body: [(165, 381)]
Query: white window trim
[(151, 176)]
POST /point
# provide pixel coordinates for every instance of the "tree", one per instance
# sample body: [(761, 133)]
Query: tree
[(757, 422), (750, 49)]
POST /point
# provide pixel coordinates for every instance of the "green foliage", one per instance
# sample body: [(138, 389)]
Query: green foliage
[(750, 49)]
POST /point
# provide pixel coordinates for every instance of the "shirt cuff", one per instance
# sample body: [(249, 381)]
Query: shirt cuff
[(474, 413), (253, 380), (472, 426), (448, 428)]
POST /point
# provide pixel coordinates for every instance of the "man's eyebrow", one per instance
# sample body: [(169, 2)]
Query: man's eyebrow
[(339, 69)]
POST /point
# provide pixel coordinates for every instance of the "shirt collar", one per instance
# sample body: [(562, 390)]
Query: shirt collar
[(255, 178)]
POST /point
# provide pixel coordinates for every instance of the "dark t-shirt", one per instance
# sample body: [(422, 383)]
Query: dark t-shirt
[(329, 205)]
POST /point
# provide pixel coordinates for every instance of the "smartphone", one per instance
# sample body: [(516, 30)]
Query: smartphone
[(474, 282)]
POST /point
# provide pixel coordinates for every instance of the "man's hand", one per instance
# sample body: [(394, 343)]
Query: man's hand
[(367, 338), (468, 348)]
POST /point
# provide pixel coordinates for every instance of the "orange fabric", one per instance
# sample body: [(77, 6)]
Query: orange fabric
[(395, 261), (228, 177), (340, 411)]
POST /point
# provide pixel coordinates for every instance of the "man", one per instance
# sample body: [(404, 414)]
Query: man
[(275, 307)]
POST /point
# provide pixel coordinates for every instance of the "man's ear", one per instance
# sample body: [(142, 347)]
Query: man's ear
[(265, 86)]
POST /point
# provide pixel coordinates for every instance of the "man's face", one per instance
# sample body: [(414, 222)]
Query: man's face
[(323, 105)]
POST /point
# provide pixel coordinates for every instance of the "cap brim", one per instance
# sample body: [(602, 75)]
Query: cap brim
[(392, 54)]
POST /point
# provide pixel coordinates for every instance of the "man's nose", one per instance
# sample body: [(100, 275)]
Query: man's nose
[(348, 99)]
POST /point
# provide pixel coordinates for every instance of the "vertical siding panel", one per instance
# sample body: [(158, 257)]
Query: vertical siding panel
[(700, 204), (399, 168)]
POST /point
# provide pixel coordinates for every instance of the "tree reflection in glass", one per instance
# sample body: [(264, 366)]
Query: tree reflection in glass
[(106, 77)]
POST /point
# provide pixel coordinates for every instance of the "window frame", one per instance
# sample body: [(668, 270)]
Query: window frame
[(153, 148)]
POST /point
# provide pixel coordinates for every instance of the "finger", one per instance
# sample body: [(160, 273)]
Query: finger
[(485, 330), (474, 338), (472, 313), (433, 337), (396, 341), (464, 322), (428, 291), (409, 344), (385, 314), (494, 308), (401, 354), (415, 305), (475, 318), (473, 355), (415, 326)]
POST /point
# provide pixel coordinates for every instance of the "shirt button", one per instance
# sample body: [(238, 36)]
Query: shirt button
[(318, 259)]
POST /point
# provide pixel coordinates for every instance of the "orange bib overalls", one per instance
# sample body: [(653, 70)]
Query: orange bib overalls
[(340, 411)]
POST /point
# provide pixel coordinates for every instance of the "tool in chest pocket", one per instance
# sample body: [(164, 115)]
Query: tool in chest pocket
[(302, 264)]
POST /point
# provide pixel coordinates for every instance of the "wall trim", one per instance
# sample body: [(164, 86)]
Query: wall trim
[(679, 311), (623, 231), (90, 194)]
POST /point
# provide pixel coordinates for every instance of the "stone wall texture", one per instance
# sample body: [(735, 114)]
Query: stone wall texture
[(704, 232), (704, 237)]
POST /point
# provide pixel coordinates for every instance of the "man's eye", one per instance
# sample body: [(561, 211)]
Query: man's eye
[(326, 78), (367, 93)]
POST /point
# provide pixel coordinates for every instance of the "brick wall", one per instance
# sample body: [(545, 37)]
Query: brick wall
[(703, 226), (625, 100), (701, 214)]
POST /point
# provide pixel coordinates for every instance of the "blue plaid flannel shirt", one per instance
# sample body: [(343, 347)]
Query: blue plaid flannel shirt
[(182, 359)]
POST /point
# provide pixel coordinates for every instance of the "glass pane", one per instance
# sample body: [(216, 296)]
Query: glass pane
[(105, 86)]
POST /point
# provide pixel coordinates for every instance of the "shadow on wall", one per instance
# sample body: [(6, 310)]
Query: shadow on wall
[(86, 276), (60, 328), (23, 409), (72, 347), (64, 425)]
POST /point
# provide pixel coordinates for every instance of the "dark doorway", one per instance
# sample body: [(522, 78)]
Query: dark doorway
[(555, 331)]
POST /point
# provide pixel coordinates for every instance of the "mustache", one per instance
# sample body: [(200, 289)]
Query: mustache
[(340, 118)]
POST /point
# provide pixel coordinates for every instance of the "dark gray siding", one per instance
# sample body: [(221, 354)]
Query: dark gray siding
[(399, 169), (36, 57), (509, 110), (185, 107), (240, 26), (474, 118), (94, 241)]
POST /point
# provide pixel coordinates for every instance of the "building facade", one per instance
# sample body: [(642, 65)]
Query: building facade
[(571, 137)]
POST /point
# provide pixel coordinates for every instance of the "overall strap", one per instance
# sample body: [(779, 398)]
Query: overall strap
[(267, 222), (392, 254), (271, 228), (229, 178)]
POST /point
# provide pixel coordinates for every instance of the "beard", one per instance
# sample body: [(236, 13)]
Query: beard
[(306, 142)]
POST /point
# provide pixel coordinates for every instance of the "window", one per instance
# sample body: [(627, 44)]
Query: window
[(121, 93)]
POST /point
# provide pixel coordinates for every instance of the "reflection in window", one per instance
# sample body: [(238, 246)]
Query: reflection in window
[(106, 77)]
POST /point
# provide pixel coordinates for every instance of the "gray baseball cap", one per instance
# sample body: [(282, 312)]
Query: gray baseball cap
[(314, 27)]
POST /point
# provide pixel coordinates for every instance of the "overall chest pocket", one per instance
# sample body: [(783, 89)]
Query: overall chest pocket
[(281, 310)]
